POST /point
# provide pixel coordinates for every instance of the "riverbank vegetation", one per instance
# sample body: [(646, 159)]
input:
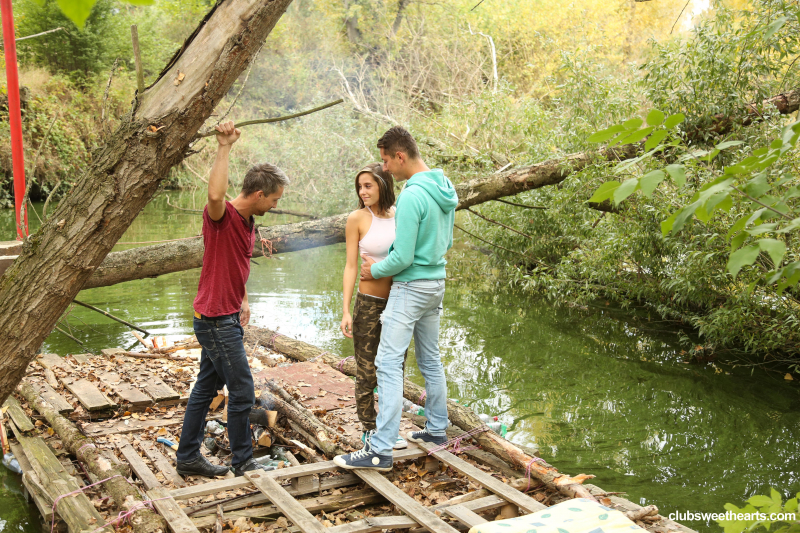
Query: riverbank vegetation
[(485, 88)]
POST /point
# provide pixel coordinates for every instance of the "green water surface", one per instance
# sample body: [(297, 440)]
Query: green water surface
[(599, 391)]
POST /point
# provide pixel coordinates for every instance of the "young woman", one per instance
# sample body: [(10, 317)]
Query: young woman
[(369, 231)]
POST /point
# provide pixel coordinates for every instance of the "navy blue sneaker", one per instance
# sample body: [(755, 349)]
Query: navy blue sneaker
[(424, 436), (365, 458)]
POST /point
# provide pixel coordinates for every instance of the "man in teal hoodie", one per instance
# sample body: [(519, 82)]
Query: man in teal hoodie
[(424, 222)]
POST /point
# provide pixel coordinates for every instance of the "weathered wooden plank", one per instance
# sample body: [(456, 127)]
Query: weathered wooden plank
[(53, 361), (76, 510), (88, 395), (465, 516), (126, 392), (377, 523), (284, 473), (139, 467), (171, 511), (521, 500), (17, 414), (81, 358), (48, 394), (312, 505), (404, 502), (290, 507), (32, 483), (153, 385), (119, 427), (258, 498), (163, 464)]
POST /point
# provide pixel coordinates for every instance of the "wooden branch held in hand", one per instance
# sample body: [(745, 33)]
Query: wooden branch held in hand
[(212, 131)]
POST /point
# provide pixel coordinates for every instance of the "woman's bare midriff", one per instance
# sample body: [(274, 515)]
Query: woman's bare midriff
[(376, 287)]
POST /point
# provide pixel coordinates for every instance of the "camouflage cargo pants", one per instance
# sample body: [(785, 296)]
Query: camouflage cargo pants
[(366, 338)]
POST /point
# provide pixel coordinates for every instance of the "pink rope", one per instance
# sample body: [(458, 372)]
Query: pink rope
[(84, 446), (456, 442), (313, 359), (422, 396), (528, 469), (343, 361), (271, 341), (73, 493), (121, 517), (124, 516)]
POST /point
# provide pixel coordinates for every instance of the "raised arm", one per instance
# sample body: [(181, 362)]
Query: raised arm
[(350, 272), (218, 180)]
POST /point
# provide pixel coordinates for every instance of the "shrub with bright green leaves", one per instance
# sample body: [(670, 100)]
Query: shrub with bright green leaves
[(767, 190), (765, 512)]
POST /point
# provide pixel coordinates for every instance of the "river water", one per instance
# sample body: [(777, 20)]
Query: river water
[(599, 391)]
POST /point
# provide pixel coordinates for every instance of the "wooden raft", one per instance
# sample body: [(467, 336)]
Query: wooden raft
[(258, 495)]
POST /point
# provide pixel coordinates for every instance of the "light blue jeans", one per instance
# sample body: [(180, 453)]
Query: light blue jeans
[(414, 308)]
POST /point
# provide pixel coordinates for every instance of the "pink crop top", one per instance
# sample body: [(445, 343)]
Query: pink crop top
[(379, 238)]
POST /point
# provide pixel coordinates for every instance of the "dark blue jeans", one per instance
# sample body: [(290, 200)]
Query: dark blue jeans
[(222, 362)]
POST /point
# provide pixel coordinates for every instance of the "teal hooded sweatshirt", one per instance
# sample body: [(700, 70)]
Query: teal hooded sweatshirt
[(424, 222)]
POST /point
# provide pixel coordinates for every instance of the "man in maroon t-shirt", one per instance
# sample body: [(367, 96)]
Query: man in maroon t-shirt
[(221, 309)]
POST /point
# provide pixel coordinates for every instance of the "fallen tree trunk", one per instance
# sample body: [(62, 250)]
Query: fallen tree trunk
[(125, 496), (459, 415), (165, 258), (55, 262), (176, 256), (784, 103)]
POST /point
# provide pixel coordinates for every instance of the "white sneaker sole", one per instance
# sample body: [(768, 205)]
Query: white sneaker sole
[(338, 461), (400, 445)]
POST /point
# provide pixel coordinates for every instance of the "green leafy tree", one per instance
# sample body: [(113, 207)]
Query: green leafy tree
[(762, 513), (78, 52)]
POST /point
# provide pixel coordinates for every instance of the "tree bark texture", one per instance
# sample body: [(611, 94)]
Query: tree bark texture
[(164, 258), (176, 256), (785, 103), (55, 262), (303, 410), (310, 424), (459, 415), (125, 496)]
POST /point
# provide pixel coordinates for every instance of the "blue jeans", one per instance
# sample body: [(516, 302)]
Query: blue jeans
[(222, 362), (414, 308)]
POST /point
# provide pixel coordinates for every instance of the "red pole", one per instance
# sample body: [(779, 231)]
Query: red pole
[(14, 116)]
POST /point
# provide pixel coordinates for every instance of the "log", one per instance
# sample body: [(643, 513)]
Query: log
[(156, 260), (288, 398), (641, 513), (164, 258), (55, 263), (125, 496), (461, 416), (323, 436)]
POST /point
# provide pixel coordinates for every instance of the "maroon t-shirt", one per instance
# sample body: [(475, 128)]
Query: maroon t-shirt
[(226, 262)]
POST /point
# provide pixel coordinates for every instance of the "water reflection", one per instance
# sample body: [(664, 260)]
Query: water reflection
[(598, 391)]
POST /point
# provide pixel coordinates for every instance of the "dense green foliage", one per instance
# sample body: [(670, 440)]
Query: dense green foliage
[(766, 513), (560, 80)]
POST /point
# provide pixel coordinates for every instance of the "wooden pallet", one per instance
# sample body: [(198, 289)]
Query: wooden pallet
[(141, 390), (283, 498)]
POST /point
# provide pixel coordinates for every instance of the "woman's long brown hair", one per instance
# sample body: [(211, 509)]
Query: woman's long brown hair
[(385, 183)]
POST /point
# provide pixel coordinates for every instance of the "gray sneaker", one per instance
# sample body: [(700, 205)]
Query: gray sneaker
[(365, 458)]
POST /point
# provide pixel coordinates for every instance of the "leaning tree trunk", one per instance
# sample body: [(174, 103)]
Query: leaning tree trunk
[(459, 415), (55, 262), (159, 259)]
